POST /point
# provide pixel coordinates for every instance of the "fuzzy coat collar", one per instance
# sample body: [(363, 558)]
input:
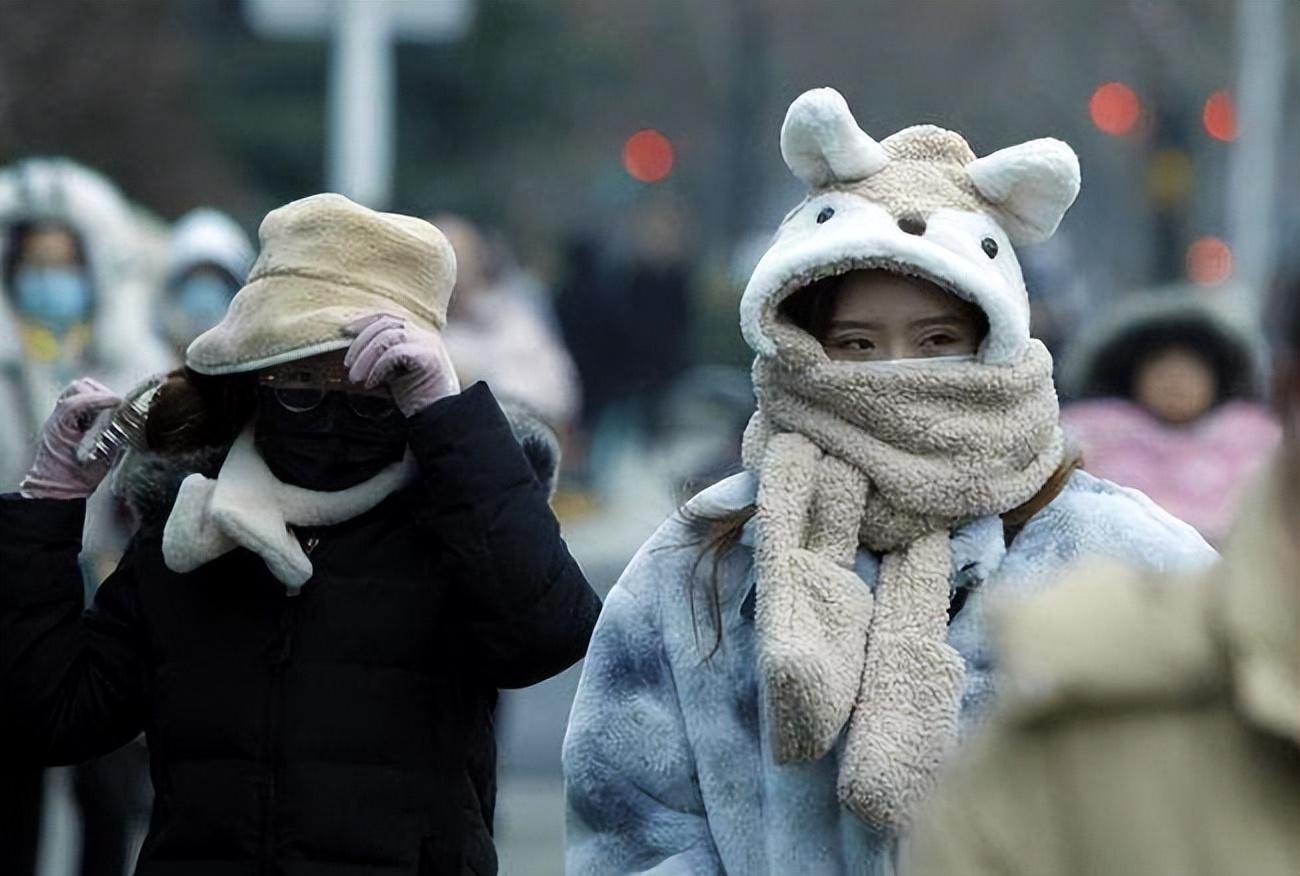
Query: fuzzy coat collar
[(978, 546)]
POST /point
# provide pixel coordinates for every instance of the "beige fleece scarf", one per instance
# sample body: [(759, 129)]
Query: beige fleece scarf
[(247, 506), (890, 455)]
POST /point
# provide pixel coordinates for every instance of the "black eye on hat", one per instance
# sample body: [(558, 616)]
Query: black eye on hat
[(826, 213), (990, 247), (912, 224)]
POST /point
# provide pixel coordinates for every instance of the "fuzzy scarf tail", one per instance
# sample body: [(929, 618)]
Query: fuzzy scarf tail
[(906, 723), (813, 611)]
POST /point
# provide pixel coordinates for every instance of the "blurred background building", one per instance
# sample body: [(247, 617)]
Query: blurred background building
[(615, 168)]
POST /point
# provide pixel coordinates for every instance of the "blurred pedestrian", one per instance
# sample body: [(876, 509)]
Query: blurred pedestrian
[(626, 314), (501, 328), (1170, 382), (341, 558), (72, 302), (782, 669), (208, 259), (1152, 720)]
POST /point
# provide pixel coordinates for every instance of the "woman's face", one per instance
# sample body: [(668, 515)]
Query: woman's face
[(1176, 384), (48, 247), (876, 316)]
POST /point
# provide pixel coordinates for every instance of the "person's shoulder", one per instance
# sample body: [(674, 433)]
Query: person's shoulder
[(1094, 517), (675, 551), (1249, 426), (1107, 636)]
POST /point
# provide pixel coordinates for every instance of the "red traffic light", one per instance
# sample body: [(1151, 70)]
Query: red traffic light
[(1220, 116), (1114, 108), (648, 156), (1209, 261)]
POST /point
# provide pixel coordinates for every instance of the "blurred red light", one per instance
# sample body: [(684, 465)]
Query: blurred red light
[(648, 156), (1114, 108), (1209, 261), (1220, 116)]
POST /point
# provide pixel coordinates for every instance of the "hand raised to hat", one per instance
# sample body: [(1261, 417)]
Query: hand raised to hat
[(412, 361), (56, 473)]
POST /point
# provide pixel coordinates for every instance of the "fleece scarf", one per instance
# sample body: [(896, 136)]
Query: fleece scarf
[(891, 455), (247, 506)]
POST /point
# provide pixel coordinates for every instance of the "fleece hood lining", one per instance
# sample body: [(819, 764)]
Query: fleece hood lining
[(772, 318)]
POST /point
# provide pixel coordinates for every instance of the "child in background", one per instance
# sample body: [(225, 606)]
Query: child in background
[(1169, 382)]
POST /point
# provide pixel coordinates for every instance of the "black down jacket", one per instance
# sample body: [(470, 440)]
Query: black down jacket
[(347, 731)]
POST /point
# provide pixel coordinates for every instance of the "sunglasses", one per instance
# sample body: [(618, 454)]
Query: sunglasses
[(301, 390)]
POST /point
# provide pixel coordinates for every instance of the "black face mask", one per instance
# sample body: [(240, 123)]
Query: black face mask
[(330, 446)]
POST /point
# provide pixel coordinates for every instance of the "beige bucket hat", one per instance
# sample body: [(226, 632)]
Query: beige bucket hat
[(324, 262)]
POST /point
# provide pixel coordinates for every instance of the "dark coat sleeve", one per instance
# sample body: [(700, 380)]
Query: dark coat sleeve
[(526, 608), (71, 681)]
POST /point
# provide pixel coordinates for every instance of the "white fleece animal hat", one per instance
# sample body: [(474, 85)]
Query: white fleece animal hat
[(205, 236), (918, 203), (326, 261)]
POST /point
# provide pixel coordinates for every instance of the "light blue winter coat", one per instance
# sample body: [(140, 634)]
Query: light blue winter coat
[(667, 762)]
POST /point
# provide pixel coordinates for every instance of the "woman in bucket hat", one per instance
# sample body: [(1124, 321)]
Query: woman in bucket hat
[(781, 671), (341, 559)]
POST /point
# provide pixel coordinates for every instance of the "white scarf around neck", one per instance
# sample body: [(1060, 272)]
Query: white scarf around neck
[(247, 506)]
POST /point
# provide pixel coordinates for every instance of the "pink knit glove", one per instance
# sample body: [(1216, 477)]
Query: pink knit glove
[(56, 473), (413, 362)]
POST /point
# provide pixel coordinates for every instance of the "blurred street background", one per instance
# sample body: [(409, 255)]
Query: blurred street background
[(608, 172)]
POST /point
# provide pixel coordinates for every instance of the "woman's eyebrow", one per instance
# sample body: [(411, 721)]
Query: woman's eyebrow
[(945, 321), (853, 324)]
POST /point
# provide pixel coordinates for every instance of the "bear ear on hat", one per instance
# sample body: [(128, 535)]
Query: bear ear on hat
[(822, 143), (1032, 185)]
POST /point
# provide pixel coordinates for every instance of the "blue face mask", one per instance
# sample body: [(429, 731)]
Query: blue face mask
[(196, 305), (57, 298), (204, 299)]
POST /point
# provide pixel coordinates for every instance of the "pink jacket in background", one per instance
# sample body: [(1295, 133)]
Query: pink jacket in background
[(1195, 472)]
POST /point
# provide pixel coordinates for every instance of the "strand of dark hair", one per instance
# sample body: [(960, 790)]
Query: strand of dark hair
[(193, 411)]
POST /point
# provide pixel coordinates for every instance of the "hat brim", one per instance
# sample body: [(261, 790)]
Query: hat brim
[(286, 317)]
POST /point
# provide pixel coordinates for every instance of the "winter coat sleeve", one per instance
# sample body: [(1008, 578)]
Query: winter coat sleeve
[(71, 681), (633, 798), (524, 605)]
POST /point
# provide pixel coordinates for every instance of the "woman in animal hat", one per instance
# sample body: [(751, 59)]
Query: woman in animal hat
[(341, 558), (784, 666)]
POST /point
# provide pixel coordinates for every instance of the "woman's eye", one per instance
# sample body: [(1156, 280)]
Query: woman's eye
[(939, 340), (862, 344)]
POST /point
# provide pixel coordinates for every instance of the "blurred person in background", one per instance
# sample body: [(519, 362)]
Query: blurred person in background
[(778, 676), (1169, 383), (1151, 723), (208, 258), (73, 301), (501, 328), (341, 559), (626, 317)]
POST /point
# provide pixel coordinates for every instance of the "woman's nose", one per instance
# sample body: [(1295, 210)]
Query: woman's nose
[(899, 348)]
